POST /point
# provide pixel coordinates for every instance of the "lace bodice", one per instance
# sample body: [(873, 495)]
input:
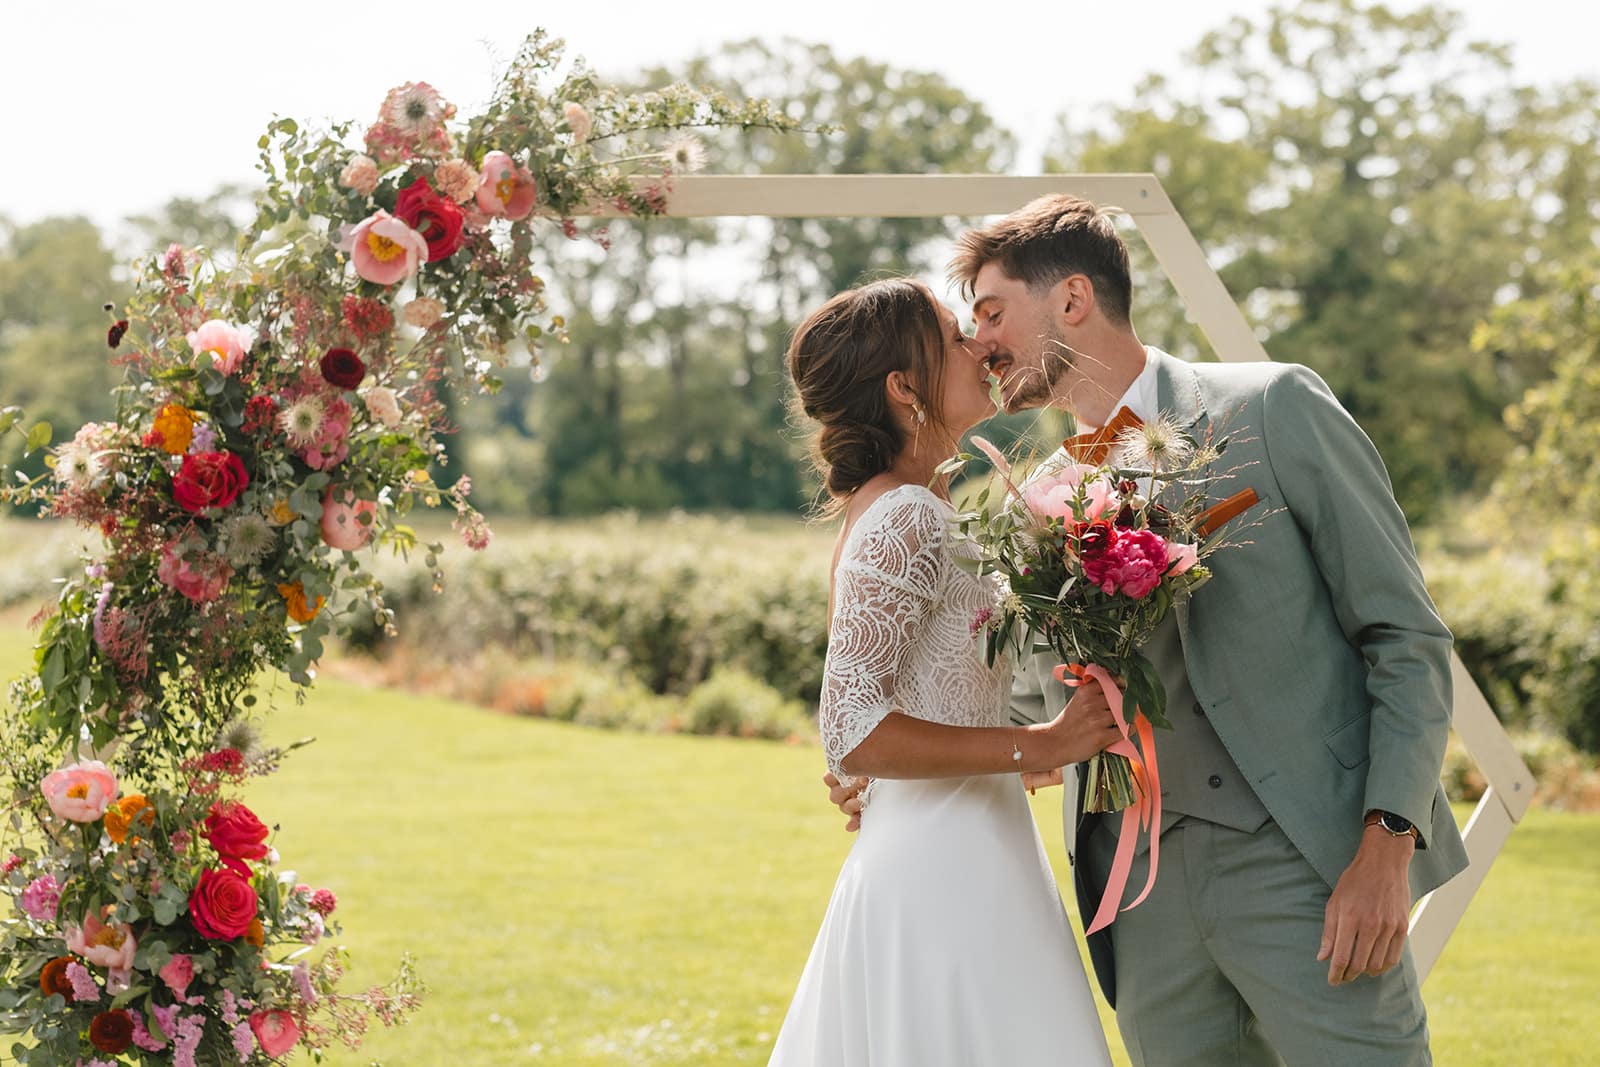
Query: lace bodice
[(901, 638)]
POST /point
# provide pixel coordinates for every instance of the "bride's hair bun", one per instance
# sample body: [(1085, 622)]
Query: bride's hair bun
[(839, 361)]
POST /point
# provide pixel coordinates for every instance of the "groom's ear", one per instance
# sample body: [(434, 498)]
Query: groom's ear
[(1072, 299)]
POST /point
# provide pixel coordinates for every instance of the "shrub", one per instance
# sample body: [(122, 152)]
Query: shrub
[(732, 702)]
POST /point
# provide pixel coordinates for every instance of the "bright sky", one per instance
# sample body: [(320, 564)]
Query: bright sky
[(115, 108)]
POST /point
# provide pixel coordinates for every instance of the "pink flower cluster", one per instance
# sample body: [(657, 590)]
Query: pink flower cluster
[(200, 576), (41, 898)]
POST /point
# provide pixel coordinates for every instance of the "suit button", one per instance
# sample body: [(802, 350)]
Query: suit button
[(1215, 781), (1199, 709)]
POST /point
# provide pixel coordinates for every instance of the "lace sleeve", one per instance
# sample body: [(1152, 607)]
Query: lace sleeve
[(886, 582)]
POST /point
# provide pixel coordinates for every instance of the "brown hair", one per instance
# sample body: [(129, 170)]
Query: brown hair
[(839, 360), (1047, 240)]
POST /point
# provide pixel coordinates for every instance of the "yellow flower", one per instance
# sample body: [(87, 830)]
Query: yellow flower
[(294, 595), (282, 514), (174, 429)]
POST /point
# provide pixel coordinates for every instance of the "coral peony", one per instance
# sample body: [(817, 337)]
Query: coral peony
[(1181, 557), (342, 527), (385, 250), (81, 792), (226, 343), (108, 945), (178, 973), (275, 1030), (507, 190)]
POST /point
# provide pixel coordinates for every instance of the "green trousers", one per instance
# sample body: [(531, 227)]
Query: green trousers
[(1218, 966)]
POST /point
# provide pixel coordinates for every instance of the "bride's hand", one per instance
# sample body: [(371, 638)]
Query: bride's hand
[(1032, 780), (1084, 727), (846, 796)]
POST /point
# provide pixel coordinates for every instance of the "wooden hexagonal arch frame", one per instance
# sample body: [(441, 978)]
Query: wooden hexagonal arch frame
[(1231, 338)]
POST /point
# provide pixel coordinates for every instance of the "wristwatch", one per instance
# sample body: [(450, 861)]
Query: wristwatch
[(1394, 824)]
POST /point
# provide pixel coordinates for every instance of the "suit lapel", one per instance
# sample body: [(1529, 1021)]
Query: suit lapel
[(1178, 397)]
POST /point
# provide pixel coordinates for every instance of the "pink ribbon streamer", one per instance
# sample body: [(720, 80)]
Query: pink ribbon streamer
[(1145, 813)]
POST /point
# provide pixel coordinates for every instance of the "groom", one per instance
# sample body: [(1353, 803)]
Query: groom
[(1308, 683)]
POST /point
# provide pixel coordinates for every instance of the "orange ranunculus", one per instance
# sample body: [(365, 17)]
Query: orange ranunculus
[(124, 813), (175, 428), (53, 979), (300, 610), (257, 934), (281, 514)]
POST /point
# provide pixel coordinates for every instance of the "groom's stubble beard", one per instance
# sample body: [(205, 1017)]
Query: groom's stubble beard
[(1035, 386)]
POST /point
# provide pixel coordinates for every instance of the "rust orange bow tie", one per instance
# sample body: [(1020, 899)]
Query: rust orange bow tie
[(1094, 447)]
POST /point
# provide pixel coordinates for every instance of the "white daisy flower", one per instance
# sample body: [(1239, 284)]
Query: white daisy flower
[(687, 154)]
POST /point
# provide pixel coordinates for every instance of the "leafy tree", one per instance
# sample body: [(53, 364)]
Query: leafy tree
[(1371, 183)]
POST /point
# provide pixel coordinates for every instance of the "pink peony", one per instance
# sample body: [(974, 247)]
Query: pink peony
[(1131, 564), (1181, 557), (81, 792), (507, 190), (275, 1030), (1052, 496), (41, 898), (360, 174), (226, 343), (108, 946), (202, 579), (342, 527), (178, 973), (385, 250)]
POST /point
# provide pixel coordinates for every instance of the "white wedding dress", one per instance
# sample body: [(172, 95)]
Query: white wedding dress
[(945, 942)]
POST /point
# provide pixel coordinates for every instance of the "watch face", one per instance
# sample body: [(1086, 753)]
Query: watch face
[(1394, 823)]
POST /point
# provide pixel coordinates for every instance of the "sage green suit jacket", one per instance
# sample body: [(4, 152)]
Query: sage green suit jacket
[(1314, 649)]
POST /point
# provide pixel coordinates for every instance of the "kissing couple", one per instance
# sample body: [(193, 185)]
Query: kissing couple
[(1308, 684)]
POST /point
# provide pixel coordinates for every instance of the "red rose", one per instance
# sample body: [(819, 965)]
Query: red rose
[(342, 368), (437, 219), (222, 905), (236, 834), (209, 480), (111, 1031)]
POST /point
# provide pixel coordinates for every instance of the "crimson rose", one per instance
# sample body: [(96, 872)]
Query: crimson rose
[(222, 905), (236, 834), (437, 219), (342, 368), (209, 480)]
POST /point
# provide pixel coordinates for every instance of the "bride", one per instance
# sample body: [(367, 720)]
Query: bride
[(945, 941)]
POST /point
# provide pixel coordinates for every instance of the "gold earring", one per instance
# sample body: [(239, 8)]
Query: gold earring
[(922, 417)]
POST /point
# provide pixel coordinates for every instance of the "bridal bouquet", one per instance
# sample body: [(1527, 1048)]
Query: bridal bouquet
[(1094, 556), (280, 413)]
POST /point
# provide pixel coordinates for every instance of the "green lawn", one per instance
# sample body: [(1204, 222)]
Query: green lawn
[(582, 897)]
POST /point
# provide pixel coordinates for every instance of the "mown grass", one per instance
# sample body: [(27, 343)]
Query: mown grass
[(574, 896)]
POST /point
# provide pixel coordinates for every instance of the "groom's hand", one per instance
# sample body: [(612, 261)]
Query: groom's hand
[(847, 798), (1365, 923)]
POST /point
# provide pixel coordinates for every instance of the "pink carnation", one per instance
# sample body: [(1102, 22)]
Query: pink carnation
[(323, 901), (1131, 564), (225, 342), (81, 792), (41, 898), (456, 179), (360, 174)]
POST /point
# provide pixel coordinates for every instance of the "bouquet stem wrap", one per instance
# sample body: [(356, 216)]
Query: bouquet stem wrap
[(1143, 814)]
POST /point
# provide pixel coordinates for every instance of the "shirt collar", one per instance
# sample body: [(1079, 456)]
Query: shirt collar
[(1140, 397)]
